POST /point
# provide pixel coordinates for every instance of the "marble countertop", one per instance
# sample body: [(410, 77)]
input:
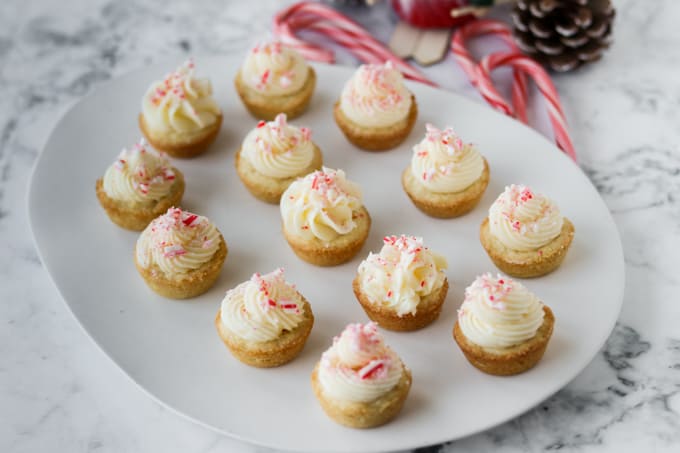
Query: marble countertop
[(58, 392)]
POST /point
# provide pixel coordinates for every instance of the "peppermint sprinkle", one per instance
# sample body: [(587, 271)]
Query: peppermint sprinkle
[(280, 120), (375, 369), (447, 137), (171, 251), (494, 290), (285, 81), (404, 243), (288, 307), (306, 133), (174, 83), (264, 78), (189, 220), (429, 174)]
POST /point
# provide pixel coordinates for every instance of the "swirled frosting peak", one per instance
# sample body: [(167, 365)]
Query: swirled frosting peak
[(139, 175), (321, 205), (401, 274), (522, 219), (274, 69), (376, 96), (443, 163), (262, 308), (359, 366), (177, 242), (499, 312), (278, 149), (180, 102)]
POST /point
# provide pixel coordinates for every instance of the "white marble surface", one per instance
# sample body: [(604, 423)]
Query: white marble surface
[(58, 392)]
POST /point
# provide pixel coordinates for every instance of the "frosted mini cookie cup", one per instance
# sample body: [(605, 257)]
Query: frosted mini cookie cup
[(324, 219), (403, 287), (275, 79), (446, 177), (376, 111), (180, 254), (179, 115), (359, 381), (502, 328), (525, 235), (264, 321), (139, 186), (273, 155)]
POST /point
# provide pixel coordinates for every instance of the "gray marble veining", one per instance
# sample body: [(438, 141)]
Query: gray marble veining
[(59, 393)]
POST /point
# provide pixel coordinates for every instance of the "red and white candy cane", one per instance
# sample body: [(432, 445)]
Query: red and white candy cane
[(520, 62), (470, 67), (324, 20), (480, 76)]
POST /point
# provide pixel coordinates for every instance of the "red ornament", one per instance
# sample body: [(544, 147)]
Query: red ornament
[(440, 13)]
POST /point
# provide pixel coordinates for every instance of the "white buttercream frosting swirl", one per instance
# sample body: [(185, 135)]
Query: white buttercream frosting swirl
[(359, 367), (321, 205), (278, 149), (442, 163), (139, 175), (376, 96), (177, 242), (499, 312), (524, 220), (262, 308), (274, 69), (402, 274), (180, 102)]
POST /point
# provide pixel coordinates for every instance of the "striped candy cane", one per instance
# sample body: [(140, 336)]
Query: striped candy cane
[(480, 76), (325, 21), (321, 19), (470, 67), (520, 62)]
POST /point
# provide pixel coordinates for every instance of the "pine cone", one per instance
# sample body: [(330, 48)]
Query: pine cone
[(563, 34)]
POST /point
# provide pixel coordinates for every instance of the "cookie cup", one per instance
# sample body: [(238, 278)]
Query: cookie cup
[(182, 145), (136, 217), (376, 138), (364, 414), (508, 361), (264, 107), (527, 264), (428, 310), (190, 284), (339, 250), (266, 188), (271, 353), (445, 205)]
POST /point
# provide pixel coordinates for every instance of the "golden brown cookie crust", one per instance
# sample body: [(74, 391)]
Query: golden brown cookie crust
[(427, 312), (445, 205), (267, 107), (266, 188), (364, 414), (136, 217), (376, 139), (527, 264), (509, 361), (270, 353), (192, 284), (340, 250), (181, 145)]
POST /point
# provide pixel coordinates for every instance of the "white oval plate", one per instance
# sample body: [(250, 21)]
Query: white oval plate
[(170, 348)]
